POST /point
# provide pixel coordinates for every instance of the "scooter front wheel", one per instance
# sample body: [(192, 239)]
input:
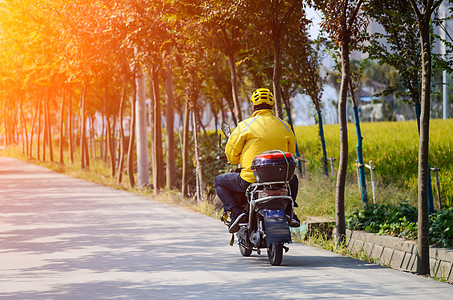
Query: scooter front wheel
[(245, 250), (275, 253)]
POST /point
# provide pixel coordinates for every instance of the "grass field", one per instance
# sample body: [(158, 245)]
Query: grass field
[(393, 148)]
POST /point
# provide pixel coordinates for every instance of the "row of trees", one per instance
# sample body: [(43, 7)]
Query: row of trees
[(75, 60), (99, 55)]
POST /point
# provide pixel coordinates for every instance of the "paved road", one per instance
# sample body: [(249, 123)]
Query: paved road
[(65, 238)]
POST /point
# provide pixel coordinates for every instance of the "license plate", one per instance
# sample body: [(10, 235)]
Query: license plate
[(274, 213)]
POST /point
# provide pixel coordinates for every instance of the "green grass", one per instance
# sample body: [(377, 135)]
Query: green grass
[(317, 196), (393, 148)]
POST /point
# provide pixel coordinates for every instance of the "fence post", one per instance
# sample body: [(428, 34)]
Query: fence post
[(373, 184), (303, 165), (332, 167), (436, 170), (302, 170), (358, 175)]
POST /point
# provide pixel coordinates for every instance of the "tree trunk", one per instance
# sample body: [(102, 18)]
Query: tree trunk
[(290, 121), (70, 129), (16, 123), (114, 139), (46, 132), (170, 138), (325, 167), (33, 124), (157, 155), (11, 129), (87, 143), (11, 124), (24, 131), (185, 153), (5, 118), (343, 161), (83, 139), (62, 126), (198, 167), (234, 87), (38, 151), (121, 138), (105, 139), (359, 148), (418, 109), (102, 148), (130, 152), (49, 130), (109, 148), (142, 136), (423, 168), (111, 145), (277, 74), (231, 108), (92, 139)]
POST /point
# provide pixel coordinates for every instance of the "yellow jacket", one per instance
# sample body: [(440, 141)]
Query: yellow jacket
[(261, 132)]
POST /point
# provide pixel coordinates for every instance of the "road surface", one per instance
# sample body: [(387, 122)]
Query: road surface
[(65, 238)]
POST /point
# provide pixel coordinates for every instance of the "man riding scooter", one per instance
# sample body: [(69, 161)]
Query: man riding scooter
[(262, 131)]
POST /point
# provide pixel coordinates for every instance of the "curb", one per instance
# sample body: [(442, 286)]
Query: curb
[(400, 254)]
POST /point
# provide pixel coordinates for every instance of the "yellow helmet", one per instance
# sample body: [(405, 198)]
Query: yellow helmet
[(261, 96)]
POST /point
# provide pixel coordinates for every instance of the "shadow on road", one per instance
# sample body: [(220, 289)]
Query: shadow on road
[(64, 238)]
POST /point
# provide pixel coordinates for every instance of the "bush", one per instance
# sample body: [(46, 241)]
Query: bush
[(401, 221), (441, 228), (211, 166), (375, 215)]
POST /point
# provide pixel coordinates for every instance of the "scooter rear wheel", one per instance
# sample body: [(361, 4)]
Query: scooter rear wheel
[(275, 253)]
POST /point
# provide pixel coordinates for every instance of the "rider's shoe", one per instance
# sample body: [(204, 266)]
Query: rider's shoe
[(237, 216), (295, 222)]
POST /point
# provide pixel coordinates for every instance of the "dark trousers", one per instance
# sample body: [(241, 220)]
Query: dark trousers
[(231, 188)]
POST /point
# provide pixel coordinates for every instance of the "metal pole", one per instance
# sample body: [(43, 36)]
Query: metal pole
[(436, 170), (358, 175), (332, 167), (373, 184), (443, 51), (303, 165)]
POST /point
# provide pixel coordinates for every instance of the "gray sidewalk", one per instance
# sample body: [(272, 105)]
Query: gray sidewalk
[(65, 238)]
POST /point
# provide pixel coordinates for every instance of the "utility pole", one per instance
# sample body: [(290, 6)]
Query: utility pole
[(443, 51)]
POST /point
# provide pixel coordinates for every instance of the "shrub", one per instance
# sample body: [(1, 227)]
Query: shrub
[(441, 228), (375, 215), (401, 221)]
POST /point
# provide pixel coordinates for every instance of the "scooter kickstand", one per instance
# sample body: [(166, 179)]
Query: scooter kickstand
[(232, 239)]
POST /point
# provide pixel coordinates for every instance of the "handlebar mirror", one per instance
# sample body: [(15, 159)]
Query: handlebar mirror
[(226, 129)]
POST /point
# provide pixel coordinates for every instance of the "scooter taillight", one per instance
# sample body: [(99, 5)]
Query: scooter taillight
[(274, 155), (267, 193)]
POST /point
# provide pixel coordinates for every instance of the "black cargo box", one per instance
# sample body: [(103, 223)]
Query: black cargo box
[(274, 165)]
